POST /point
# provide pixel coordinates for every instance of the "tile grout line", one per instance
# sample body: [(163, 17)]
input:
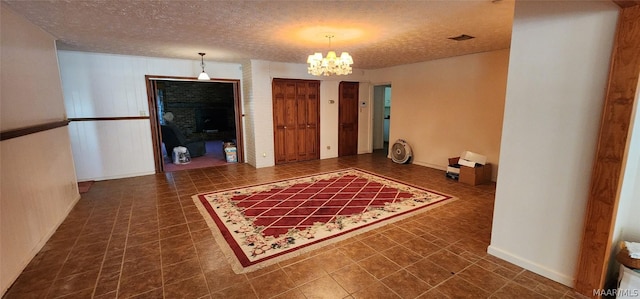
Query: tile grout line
[(539, 288), (69, 254), (193, 243), (104, 258), (164, 295), (124, 251)]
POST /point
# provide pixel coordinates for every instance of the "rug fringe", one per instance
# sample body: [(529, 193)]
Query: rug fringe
[(337, 239), (217, 235)]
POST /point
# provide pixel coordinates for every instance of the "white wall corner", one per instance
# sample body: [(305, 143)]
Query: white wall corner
[(563, 278), (550, 128)]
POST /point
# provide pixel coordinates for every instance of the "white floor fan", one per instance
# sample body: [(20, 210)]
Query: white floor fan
[(400, 152)]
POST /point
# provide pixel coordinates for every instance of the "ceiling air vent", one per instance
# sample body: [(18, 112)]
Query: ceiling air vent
[(462, 37)]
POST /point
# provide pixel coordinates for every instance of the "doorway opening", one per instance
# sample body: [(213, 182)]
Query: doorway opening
[(381, 117), (203, 117), (348, 93)]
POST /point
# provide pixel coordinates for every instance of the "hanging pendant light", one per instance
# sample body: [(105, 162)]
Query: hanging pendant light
[(330, 65), (203, 75)]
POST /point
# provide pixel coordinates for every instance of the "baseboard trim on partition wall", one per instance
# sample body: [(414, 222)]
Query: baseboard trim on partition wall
[(39, 246), (531, 266), (115, 177), (434, 166)]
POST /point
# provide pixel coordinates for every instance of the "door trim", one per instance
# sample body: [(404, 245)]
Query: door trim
[(609, 163), (154, 120)]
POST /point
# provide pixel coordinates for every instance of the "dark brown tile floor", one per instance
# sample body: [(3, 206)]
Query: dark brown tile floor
[(143, 237)]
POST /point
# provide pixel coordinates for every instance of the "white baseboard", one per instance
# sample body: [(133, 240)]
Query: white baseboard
[(434, 166), (39, 245), (531, 266), (120, 176), (439, 167)]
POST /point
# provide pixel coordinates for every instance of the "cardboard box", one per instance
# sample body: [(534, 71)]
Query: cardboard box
[(470, 159), (473, 168), (475, 175), (467, 163)]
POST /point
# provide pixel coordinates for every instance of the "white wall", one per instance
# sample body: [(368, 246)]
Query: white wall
[(365, 118), (98, 153), (558, 70), (465, 93), (446, 106), (329, 91), (38, 182), (108, 85), (261, 115), (263, 72), (249, 114)]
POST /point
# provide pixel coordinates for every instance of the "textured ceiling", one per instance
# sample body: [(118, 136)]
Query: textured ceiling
[(376, 33)]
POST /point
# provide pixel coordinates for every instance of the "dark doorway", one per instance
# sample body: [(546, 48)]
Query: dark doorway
[(202, 116), (381, 117), (348, 119)]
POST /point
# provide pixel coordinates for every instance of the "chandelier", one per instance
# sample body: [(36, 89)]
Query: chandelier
[(330, 65)]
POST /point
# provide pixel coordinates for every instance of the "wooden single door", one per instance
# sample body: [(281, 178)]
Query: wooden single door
[(308, 118), (296, 120), (285, 121), (348, 119)]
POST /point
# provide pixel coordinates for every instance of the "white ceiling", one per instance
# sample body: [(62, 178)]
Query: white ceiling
[(376, 33)]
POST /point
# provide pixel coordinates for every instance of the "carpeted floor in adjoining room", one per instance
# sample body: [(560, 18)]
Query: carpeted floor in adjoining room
[(144, 237), (214, 156)]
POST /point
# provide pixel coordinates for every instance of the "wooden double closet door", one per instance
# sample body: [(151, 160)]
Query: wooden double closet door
[(296, 120)]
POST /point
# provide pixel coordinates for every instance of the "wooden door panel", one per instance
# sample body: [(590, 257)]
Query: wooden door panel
[(291, 144), (278, 98), (313, 129), (301, 100), (280, 146), (348, 119), (312, 143), (279, 122), (296, 120), (311, 107), (301, 149), (290, 109), (313, 103), (291, 122)]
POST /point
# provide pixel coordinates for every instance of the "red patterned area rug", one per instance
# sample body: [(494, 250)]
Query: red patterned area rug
[(262, 224)]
